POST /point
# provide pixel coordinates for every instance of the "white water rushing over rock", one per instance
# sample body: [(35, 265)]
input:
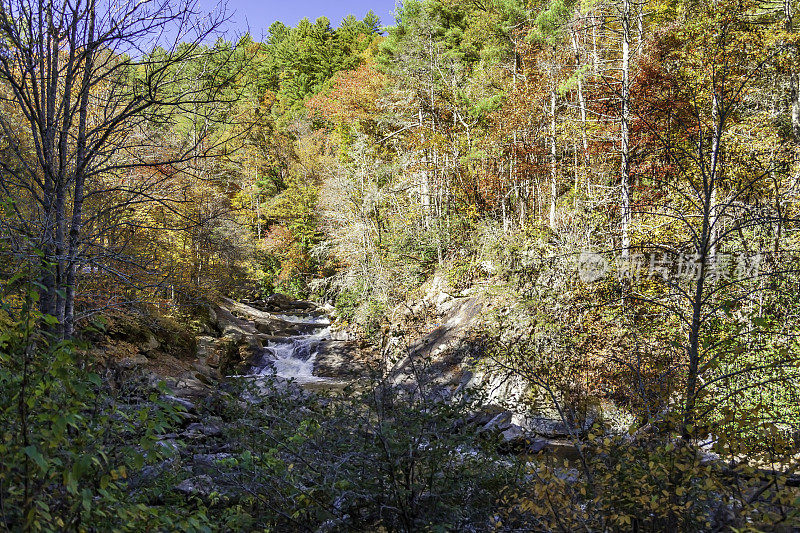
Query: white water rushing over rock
[(305, 319), (294, 357)]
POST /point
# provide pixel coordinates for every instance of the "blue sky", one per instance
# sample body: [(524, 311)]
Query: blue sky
[(259, 14)]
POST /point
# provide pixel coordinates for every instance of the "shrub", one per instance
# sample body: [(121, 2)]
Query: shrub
[(374, 457), (67, 446)]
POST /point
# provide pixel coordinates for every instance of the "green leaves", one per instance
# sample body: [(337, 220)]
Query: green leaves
[(67, 445), (549, 22), (33, 453)]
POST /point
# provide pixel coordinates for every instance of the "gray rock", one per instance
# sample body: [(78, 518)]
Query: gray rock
[(485, 415), (198, 430), (201, 486), (335, 360), (340, 335), (205, 345), (170, 445), (183, 402), (131, 362), (188, 386), (151, 345), (547, 427), (282, 302), (236, 332), (245, 320), (537, 445), (513, 434), (209, 459), (500, 422), (278, 302), (149, 474), (211, 351)]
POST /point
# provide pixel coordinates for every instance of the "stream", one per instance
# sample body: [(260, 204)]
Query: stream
[(293, 357)]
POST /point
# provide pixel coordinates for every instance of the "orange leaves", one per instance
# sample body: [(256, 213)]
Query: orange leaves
[(278, 239), (284, 245), (353, 96)]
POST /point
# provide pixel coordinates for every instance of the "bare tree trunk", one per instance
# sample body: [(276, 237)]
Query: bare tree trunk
[(625, 202), (706, 251), (553, 185), (76, 224), (595, 54), (714, 173), (523, 201), (639, 25), (693, 348), (258, 215), (794, 78), (576, 172), (581, 100), (60, 260), (424, 186)]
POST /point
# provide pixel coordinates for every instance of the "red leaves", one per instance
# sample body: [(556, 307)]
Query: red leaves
[(353, 96)]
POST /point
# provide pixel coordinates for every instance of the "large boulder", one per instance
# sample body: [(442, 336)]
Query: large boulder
[(338, 359), (255, 320), (240, 339), (282, 302), (208, 349)]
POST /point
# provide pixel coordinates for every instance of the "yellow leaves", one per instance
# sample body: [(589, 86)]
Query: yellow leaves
[(119, 473)]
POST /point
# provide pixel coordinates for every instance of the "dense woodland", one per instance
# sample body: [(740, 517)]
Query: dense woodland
[(622, 174)]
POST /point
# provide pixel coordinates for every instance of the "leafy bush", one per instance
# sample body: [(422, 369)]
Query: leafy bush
[(646, 481), (67, 445), (372, 457)]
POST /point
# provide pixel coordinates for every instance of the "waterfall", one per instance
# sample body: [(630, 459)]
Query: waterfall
[(293, 357)]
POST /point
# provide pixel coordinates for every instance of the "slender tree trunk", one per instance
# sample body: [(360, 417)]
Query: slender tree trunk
[(581, 101), (794, 95), (516, 65), (576, 172), (794, 78), (523, 200), (639, 25), (706, 250), (540, 200), (61, 262), (714, 174), (595, 54), (693, 349), (50, 252), (74, 246), (553, 185), (76, 223), (625, 202), (424, 188), (258, 215)]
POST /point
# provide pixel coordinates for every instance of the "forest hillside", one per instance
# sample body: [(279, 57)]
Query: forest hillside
[(494, 265)]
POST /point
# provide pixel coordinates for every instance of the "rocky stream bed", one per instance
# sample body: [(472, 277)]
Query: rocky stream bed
[(294, 345)]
